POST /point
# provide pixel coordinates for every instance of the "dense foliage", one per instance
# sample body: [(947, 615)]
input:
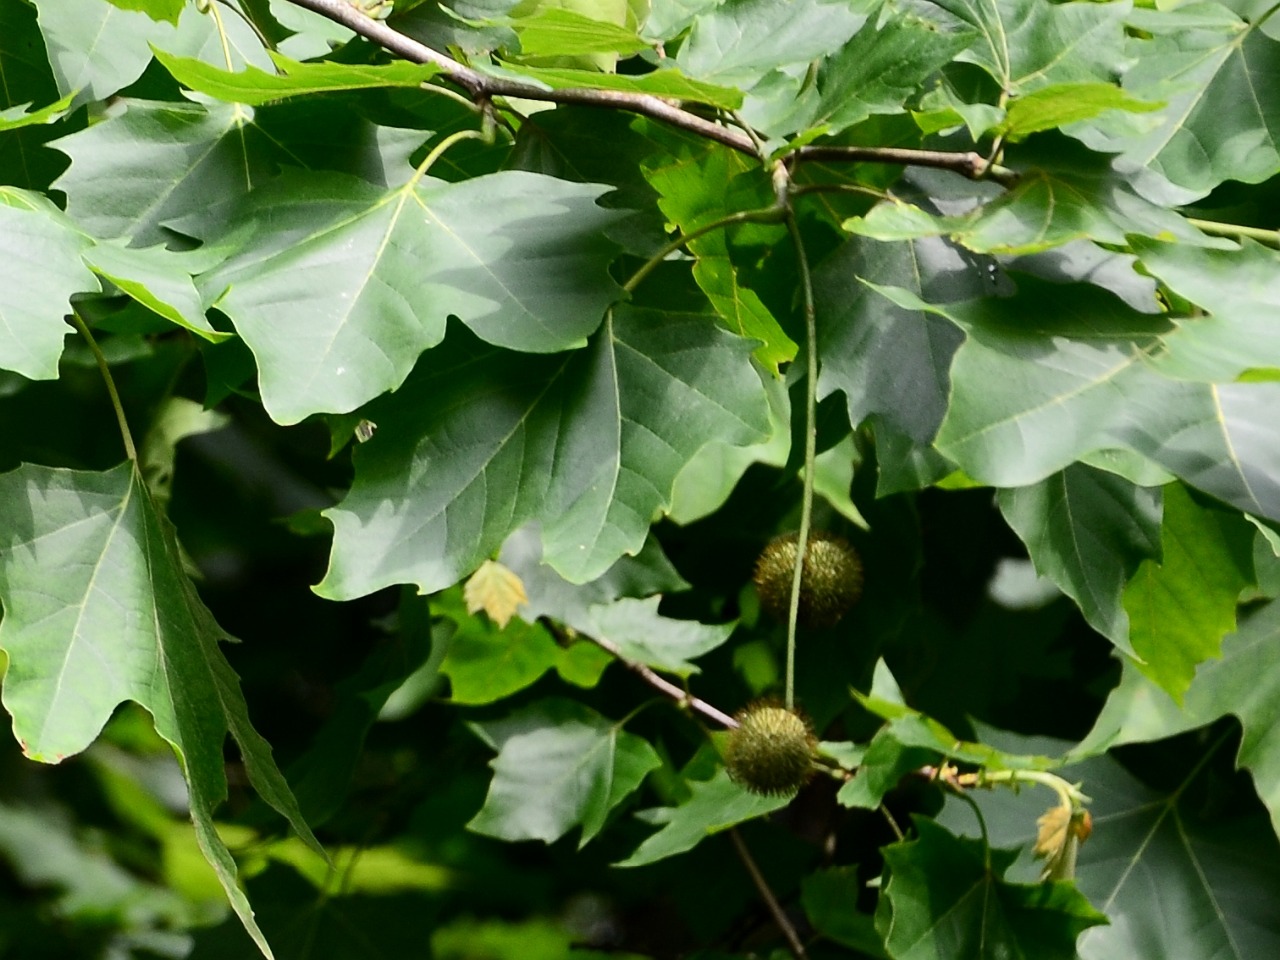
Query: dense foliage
[(395, 398)]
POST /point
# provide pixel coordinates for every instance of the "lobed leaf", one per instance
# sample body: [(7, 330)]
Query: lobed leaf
[(559, 765), (589, 444), (98, 610)]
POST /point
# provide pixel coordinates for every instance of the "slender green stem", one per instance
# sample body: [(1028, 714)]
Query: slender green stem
[(130, 450), (1266, 16), (765, 215), (1216, 229), (810, 445), (1067, 792), (443, 146)]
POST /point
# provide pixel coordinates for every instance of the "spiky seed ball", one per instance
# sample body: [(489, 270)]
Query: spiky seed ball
[(830, 584), (771, 751)]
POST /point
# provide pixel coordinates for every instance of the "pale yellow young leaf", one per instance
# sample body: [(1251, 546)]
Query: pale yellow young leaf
[(495, 590)]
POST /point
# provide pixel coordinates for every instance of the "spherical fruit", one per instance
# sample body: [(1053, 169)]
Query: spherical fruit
[(771, 750), (830, 584)]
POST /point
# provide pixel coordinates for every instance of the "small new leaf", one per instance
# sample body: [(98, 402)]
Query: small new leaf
[(495, 590)]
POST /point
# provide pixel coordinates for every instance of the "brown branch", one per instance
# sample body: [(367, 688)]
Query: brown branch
[(663, 685), (775, 908), (481, 87), (970, 164)]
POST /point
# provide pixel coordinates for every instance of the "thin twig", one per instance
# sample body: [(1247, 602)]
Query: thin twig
[(481, 87), (663, 685), (968, 164), (131, 451), (779, 915)]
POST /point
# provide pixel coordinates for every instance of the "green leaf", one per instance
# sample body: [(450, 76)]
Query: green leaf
[(738, 42), (155, 9), (254, 86), (589, 444), (17, 117), (159, 279), (1177, 878), (346, 284), (1156, 845), (879, 70), (1027, 45), (887, 760), (554, 31), (1087, 531), (96, 48), (946, 897), (1182, 605), (1052, 375), (485, 663), (1048, 207), (98, 610), (195, 157), (1220, 121), (641, 634), (713, 805), (665, 82), (892, 361), (40, 268), (1244, 682), (559, 764), (646, 573), (691, 185), (1238, 288), (1050, 107)]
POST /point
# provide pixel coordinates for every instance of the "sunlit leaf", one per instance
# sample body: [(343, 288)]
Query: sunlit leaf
[(587, 443), (98, 610)]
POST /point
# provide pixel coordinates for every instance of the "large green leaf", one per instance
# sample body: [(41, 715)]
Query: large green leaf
[(1222, 115), (1052, 375), (692, 185), (1026, 45), (559, 764), (95, 47), (947, 897), (346, 284), (713, 805), (738, 42), (1240, 289), (1177, 879), (194, 157), (98, 610), (1245, 682), (889, 360), (40, 268), (1179, 875), (1088, 530), (588, 443), (1182, 604)]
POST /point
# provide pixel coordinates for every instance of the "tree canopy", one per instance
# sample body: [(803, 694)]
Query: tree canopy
[(396, 397)]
